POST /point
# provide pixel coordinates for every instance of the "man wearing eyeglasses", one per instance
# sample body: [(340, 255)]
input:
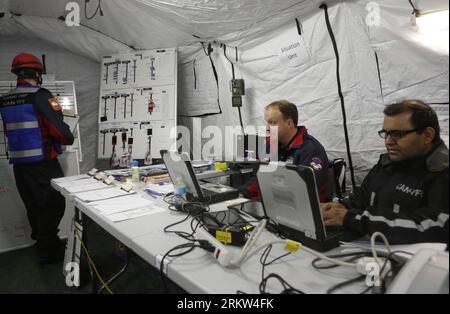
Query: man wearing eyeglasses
[(405, 196)]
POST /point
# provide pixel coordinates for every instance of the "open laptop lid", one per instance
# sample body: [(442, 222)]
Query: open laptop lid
[(289, 197), (179, 166)]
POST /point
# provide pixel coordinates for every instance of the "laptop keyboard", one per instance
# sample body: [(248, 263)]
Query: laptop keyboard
[(333, 230), (206, 192)]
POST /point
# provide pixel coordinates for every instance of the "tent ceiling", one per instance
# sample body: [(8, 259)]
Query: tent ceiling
[(147, 24)]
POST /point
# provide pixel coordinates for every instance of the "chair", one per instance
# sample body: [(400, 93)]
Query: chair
[(336, 182)]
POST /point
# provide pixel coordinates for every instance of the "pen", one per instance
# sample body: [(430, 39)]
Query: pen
[(150, 193)]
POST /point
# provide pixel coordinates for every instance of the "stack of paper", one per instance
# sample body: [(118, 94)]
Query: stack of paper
[(71, 178), (126, 207), (83, 185), (160, 189), (103, 194)]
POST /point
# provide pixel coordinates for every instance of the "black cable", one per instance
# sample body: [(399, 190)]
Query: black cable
[(114, 277), (232, 65), (99, 7), (216, 76), (182, 234), (95, 30), (189, 246), (265, 255), (195, 74), (415, 11), (234, 77), (341, 96), (390, 257), (299, 27), (345, 283), (288, 289), (379, 76), (240, 121)]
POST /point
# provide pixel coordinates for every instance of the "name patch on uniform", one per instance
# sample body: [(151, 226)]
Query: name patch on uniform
[(316, 163), (409, 190), (55, 104)]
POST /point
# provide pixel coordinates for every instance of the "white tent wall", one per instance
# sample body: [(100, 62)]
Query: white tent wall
[(407, 70), (67, 67), (312, 85)]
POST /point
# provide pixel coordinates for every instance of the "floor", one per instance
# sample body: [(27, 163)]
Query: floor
[(20, 272)]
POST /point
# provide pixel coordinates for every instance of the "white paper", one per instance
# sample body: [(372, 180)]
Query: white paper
[(107, 207), (75, 183), (103, 194), (71, 178), (162, 189), (94, 185), (135, 213)]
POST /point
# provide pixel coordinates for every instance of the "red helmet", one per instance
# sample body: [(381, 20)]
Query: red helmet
[(26, 61)]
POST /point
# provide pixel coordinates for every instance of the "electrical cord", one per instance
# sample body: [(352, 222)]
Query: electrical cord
[(353, 256), (395, 266), (372, 244), (390, 257), (324, 6), (345, 283), (91, 262), (189, 248), (288, 289), (265, 255), (99, 7)]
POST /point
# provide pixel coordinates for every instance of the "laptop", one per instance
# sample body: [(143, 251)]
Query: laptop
[(290, 198), (179, 166)]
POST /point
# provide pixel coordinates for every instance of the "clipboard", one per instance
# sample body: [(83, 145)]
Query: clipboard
[(71, 119)]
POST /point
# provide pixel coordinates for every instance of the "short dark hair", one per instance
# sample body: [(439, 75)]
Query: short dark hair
[(288, 109), (422, 115), (28, 73)]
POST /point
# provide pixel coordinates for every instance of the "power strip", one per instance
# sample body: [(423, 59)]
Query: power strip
[(223, 254)]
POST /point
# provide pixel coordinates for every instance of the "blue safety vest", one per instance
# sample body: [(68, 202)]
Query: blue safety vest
[(22, 125)]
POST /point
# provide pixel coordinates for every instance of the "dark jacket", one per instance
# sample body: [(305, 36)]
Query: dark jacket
[(302, 150), (407, 201), (53, 132)]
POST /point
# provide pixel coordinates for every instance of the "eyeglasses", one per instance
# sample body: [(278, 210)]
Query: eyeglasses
[(395, 134)]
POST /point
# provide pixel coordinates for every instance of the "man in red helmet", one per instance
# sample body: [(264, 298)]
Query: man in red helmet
[(33, 122)]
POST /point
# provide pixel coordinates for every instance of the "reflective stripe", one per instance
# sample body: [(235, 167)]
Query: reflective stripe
[(22, 125), (396, 208), (25, 153), (22, 90), (372, 198), (404, 223)]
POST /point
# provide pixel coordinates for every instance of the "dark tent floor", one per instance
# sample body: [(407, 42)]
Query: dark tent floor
[(20, 272)]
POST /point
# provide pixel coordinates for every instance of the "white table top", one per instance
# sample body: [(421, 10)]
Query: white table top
[(199, 272)]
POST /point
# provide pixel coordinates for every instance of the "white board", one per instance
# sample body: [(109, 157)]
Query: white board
[(138, 100)]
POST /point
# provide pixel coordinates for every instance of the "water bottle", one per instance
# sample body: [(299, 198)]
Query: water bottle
[(134, 171), (180, 187)]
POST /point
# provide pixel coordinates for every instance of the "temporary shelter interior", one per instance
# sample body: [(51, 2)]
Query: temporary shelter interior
[(282, 49)]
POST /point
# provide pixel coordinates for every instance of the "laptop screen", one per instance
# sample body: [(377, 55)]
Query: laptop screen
[(289, 196), (179, 166)]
